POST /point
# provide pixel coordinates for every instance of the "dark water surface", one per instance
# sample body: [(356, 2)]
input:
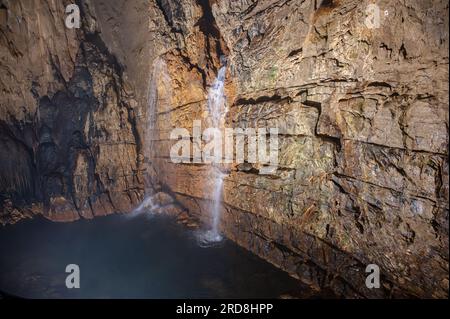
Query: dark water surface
[(131, 257)]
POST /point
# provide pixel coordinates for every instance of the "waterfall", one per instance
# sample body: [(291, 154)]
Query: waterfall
[(217, 109), (158, 99), (215, 212)]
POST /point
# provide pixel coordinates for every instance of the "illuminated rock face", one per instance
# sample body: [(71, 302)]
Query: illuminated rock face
[(362, 112)]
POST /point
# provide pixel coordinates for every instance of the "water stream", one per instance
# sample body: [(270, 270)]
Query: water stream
[(158, 99), (217, 109)]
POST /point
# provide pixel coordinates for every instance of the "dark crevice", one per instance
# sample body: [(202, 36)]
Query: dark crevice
[(295, 52), (379, 84), (97, 42), (262, 99), (164, 7), (328, 138), (326, 4), (207, 25), (191, 65), (3, 15), (402, 52)]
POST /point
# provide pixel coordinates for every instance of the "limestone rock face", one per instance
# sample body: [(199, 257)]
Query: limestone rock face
[(68, 133), (361, 108), (362, 115)]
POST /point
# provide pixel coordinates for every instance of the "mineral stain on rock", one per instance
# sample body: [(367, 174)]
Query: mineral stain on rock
[(362, 116)]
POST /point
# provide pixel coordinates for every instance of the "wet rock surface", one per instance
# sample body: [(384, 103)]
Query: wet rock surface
[(363, 121), (362, 115)]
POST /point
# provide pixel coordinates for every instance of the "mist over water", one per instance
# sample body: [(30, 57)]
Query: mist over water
[(147, 206)]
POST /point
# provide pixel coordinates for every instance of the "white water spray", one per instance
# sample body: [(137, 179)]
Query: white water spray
[(147, 205), (217, 108)]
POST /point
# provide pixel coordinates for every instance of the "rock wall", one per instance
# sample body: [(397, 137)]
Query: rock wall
[(362, 115), (363, 120), (69, 143)]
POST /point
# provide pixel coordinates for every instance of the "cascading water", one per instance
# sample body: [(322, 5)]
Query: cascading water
[(217, 108), (159, 94), (215, 212)]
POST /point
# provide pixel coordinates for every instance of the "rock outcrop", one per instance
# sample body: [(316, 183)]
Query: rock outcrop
[(362, 112), (69, 145)]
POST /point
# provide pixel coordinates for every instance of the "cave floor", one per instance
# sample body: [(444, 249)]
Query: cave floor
[(143, 256)]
